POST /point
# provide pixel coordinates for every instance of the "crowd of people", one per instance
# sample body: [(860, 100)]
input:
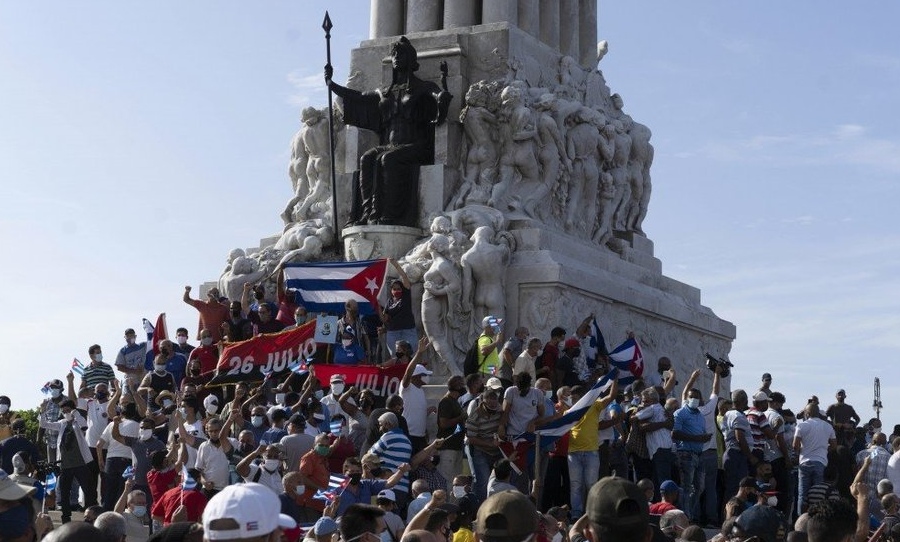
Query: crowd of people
[(147, 449)]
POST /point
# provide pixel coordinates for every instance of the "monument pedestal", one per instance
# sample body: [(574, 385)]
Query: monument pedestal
[(374, 242)]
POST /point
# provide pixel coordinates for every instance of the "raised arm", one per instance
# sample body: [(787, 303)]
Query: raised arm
[(689, 384), (404, 278), (245, 298)]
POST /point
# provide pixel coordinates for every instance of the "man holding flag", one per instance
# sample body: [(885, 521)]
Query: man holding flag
[(584, 443)]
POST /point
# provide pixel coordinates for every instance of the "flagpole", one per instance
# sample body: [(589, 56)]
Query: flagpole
[(537, 468), (326, 26)]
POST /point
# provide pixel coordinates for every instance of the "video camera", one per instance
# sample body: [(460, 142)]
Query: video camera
[(723, 364)]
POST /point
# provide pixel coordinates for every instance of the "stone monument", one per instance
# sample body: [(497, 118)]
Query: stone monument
[(530, 203)]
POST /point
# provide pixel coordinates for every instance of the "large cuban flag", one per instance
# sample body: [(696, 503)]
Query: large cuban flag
[(325, 287), (629, 360), (551, 431)]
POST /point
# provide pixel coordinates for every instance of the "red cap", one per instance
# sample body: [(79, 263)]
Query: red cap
[(572, 342)]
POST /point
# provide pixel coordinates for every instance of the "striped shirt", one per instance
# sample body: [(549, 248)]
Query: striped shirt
[(97, 373), (758, 423), (394, 449)]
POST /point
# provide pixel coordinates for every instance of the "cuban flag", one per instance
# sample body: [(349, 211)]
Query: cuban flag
[(336, 426), (551, 431), (46, 389), (155, 335), (77, 367), (187, 482), (325, 287), (50, 483), (128, 472), (300, 367), (336, 485), (629, 360)]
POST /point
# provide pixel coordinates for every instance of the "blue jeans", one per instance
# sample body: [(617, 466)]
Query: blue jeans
[(584, 468), (736, 467), (481, 465), (663, 461), (408, 335), (691, 480), (811, 473), (709, 465)]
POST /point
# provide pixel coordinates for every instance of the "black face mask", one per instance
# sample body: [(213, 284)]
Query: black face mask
[(102, 396), (355, 478), (214, 441), (376, 472)]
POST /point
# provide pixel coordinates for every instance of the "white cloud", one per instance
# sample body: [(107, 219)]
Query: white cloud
[(308, 88)]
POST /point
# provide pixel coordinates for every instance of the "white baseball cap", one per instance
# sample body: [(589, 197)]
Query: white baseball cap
[(10, 490), (387, 494), (243, 511), (420, 370), (494, 383)]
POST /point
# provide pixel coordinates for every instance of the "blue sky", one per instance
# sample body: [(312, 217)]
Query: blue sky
[(139, 143)]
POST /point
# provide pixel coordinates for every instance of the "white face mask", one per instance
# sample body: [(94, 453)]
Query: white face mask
[(337, 388), (212, 408), (139, 511), (301, 489), (567, 401), (272, 464), (159, 369), (459, 492), (279, 398), (4, 409), (145, 434), (318, 394), (424, 379), (772, 500), (55, 393), (97, 357), (693, 403), (167, 403), (256, 421), (548, 394), (206, 341), (181, 339), (346, 342), (68, 416)]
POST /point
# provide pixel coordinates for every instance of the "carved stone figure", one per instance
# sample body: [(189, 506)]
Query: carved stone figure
[(519, 170), (552, 155), (620, 174), (605, 216), (304, 241), (441, 307), (310, 167), (404, 116), (642, 157), (480, 158), (484, 268), (243, 270), (584, 146)]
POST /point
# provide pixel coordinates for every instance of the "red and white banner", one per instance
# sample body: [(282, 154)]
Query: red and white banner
[(382, 381), (274, 353)]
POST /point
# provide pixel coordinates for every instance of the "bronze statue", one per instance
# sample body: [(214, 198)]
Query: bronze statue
[(404, 116)]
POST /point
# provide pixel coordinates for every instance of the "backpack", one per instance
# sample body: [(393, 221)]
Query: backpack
[(470, 364)]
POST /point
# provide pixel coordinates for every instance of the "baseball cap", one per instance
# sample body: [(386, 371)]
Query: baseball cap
[(507, 514), (349, 331), (209, 401), (129, 331), (617, 502), (494, 383), (243, 511), (760, 396), (766, 376), (325, 525), (10, 490), (491, 321), (572, 342), (387, 494), (669, 487), (420, 370), (762, 521), (336, 378)]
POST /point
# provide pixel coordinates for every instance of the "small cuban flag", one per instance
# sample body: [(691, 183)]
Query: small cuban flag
[(300, 367), (46, 389), (77, 367), (128, 473), (187, 482), (336, 485), (50, 482), (337, 425)]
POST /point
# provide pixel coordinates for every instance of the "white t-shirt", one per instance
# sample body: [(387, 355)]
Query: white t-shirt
[(893, 469), (661, 438), (814, 435), (521, 410), (415, 409), (524, 364), (97, 419), (114, 448), (709, 418), (776, 422), (271, 480), (213, 463)]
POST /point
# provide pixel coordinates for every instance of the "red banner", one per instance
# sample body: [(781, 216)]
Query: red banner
[(382, 381), (251, 360)]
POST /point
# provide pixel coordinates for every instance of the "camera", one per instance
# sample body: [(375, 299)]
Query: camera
[(723, 364)]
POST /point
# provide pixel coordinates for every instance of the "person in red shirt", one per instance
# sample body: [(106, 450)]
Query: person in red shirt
[(187, 495), (212, 313), (207, 353), (314, 474), (162, 475), (669, 491), (549, 356)]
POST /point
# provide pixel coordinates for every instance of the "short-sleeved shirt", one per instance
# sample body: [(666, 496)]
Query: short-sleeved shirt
[(315, 468), (584, 435), (365, 491), (213, 462), (415, 409), (776, 422), (449, 408), (524, 363), (400, 312), (522, 409), (394, 449), (758, 424), (211, 317), (97, 419), (131, 356), (97, 372), (690, 422), (662, 437), (733, 421), (114, 448), (193, 500), (490, 363), (483, 424), (141, 450), (814, 435), (349, 355)]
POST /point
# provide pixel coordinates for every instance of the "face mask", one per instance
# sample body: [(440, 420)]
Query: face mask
[(236, 314), (539, 353), (751, 497), (212, 408), (159, 369), (55, 393), (300, 320), (346, 342), (206, 341), (215, 441), (301, 489), (102, 396), (424, 379), (397, 293), (279, 398), (548, 394), (139, 511), (272, 464), (318, 394), (376, 472), (693, 403), (97, 357), (337, 388), (68, 416), (14, 522), (181, 339), (323, 450), (256, 421), (145, 434), (355, 478), (4, 408), (567, 401), (167, 403), (459, 492), (183, 412), (772, 500)]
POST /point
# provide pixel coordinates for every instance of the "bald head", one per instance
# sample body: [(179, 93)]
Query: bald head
[(811, 411)]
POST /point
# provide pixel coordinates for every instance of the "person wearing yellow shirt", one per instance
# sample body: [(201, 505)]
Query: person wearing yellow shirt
[(584, 443), (489, 343)]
